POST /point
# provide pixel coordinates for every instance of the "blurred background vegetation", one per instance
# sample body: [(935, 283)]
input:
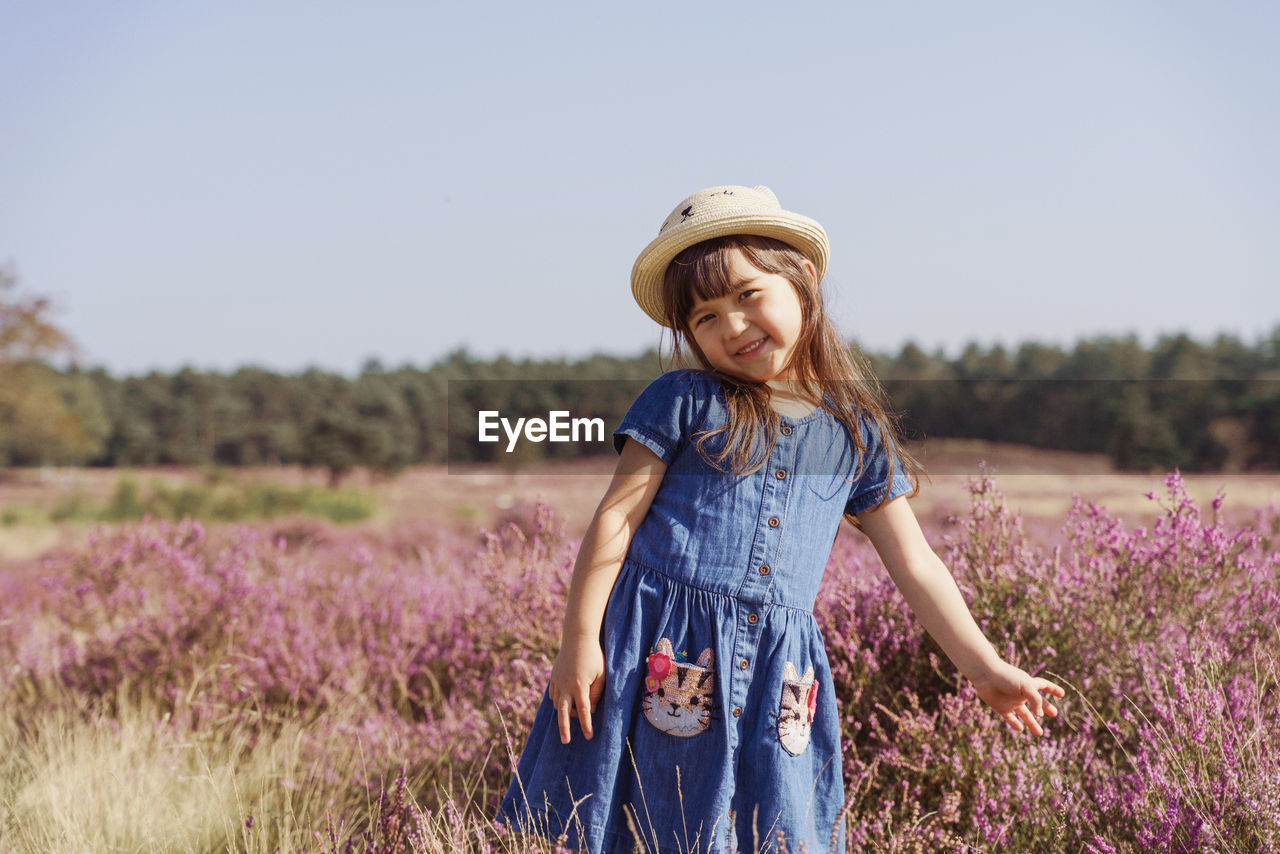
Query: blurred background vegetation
[(1177, 403)]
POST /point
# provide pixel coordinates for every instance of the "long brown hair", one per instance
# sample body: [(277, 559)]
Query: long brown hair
[(826, 368)]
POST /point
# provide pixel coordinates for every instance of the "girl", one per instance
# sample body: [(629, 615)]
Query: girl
[(690, 659)]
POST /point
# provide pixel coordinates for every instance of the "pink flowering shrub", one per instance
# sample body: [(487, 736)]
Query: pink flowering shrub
[(208, 625), (1110, 612), (430, 648), (240, 625), (1203, 761), (499, 648)]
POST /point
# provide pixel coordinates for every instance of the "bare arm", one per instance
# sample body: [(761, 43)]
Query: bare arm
[(577, 677), (929, 589)]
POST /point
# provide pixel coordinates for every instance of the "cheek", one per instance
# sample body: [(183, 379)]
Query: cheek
[(788, 311), (788, 321), (701, 339), (798, 317)]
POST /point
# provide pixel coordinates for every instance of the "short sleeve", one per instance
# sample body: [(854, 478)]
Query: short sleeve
[(659, 418), (882, 477)]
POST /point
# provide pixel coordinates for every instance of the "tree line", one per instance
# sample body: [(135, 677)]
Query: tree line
[(1180, 402)]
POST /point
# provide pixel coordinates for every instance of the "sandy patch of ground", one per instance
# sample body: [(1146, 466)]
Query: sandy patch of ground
[(1036, 483)]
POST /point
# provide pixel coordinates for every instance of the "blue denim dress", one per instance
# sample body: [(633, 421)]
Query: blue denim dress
[(718, 728)]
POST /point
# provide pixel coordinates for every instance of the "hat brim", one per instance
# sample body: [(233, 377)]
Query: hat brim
[(796, 230)]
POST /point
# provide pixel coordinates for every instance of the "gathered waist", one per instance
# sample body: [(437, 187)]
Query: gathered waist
[(724, 583)]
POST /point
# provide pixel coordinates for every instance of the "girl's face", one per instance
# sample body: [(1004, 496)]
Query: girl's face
[(751, 332)]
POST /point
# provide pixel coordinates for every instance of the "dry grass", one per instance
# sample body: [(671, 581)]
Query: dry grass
[(129, 782), (134, 781), (77, 779)]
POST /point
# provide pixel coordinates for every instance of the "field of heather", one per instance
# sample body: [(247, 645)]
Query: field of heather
[(274, 679)]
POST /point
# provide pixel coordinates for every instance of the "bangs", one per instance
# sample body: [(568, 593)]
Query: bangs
[(701, 272)]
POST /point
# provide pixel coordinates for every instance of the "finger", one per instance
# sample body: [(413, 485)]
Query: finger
[(1051, 688), (562, 712), (1033, 703), (1012, 720), (584, 713), (597, 690), (1031, 722), (594, 693)]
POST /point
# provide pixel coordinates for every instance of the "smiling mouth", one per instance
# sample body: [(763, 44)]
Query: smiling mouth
[(752, 348)]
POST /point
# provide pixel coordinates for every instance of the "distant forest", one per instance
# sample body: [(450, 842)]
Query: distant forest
[(1197, 406)]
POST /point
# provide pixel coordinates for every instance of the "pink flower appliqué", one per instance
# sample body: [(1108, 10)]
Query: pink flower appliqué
[(813, 700), (659, 667)]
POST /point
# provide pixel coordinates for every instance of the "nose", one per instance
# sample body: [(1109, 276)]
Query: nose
[(735, 323)]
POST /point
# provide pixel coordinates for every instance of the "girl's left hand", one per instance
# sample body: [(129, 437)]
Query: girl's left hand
[(1016, 696)]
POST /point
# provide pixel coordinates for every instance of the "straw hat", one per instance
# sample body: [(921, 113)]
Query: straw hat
[(715, 212)]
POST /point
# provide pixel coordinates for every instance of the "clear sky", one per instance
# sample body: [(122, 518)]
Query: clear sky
[(313, 183)]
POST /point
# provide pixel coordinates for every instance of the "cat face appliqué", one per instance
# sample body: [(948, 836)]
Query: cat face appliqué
[(678, 696), (795, 713)]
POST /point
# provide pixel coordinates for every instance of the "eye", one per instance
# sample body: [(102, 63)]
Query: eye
[(747, 292), (703, 319)]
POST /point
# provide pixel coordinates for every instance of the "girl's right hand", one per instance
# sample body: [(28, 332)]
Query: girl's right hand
[(577, 677), (577, 681)]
